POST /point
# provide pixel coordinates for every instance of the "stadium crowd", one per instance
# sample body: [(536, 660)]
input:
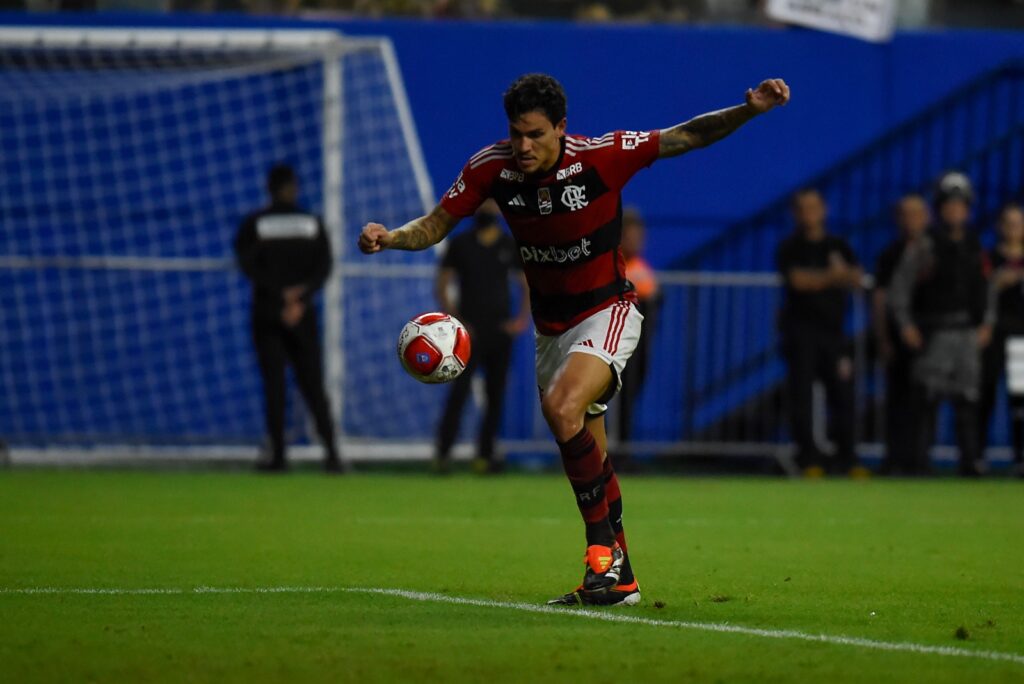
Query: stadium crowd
[(912, 14), (948, 324)]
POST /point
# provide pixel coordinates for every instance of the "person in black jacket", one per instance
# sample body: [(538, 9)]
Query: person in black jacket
[(480, 266), (913, 218), (285, 252), (939, 296), (818, 270), (1003, 358)]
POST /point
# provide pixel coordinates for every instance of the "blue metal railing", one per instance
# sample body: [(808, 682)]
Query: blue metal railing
[(978, 128)]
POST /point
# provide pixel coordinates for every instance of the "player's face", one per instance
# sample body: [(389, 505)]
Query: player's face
[(536, 142)]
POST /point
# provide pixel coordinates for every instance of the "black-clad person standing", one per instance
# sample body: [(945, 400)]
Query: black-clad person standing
[(819, 270), (483, 262), (285, 253)]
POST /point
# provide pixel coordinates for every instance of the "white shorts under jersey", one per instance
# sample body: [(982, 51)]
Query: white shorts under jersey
[(611, 334)]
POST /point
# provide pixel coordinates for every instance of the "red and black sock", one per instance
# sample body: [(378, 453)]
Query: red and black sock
[(614, 497), (581, 459)]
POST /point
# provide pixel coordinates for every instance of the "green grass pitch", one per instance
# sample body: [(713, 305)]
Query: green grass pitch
[(918, 564)]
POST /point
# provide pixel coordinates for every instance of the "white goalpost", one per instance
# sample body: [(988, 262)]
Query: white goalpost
[(130, 156)]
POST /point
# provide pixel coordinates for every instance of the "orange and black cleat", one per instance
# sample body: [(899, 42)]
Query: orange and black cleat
[(604, 565), (619, 595)]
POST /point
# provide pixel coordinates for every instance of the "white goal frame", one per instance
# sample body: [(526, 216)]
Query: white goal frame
[(332, 46)]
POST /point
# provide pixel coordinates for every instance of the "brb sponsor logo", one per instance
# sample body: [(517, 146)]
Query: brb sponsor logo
[(555, 255), (510, 175), (569, 171)]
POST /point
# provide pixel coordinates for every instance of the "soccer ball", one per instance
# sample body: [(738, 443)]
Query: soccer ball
[(434, 348)]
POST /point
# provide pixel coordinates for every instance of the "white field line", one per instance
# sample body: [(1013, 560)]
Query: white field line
[(599, 615)]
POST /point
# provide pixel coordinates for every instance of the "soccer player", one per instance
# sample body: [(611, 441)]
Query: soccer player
[(560, 195)]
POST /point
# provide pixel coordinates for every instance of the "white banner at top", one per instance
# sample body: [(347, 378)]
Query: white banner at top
[(867, 19)]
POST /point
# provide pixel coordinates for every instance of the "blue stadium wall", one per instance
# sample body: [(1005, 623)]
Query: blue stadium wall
[(846, 93)]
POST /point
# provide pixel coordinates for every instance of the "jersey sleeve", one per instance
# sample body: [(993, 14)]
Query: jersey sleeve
[(629, 152), (469, 190)]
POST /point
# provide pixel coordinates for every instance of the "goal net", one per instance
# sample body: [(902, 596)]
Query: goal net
[(129, 158)]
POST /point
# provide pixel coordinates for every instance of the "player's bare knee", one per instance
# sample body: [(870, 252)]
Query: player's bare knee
[(562, 415)]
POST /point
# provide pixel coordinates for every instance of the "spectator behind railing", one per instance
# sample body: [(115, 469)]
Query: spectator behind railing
[(480, 266), (912, 218), (939, 297), (818, 270), (640, 273), (1005, 354)]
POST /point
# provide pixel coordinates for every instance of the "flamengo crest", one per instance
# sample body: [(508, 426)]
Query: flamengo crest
[(575, 197)]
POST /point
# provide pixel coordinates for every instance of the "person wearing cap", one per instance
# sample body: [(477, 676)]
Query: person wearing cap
[(479, 266), (939, 298)]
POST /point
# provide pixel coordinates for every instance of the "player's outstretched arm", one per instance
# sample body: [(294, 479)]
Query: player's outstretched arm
[(709, 128), (416, 234)]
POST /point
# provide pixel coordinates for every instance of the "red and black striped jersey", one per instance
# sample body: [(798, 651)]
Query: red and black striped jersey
[(566, 223)]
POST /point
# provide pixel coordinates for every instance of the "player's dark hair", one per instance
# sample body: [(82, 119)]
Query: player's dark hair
[(280, 176), (536, 92)]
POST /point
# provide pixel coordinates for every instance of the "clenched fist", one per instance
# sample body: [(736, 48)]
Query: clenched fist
[(769, 94), (374, 238)]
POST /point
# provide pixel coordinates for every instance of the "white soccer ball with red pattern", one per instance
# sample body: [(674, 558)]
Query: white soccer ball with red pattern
[(434, 348)]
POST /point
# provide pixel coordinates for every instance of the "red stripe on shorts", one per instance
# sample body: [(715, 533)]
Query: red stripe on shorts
[(622, 327), (615, 328), (611, 326)]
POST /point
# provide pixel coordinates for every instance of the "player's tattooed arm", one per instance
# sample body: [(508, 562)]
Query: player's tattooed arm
[(703, 130), (709, 128), (415, 235)]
